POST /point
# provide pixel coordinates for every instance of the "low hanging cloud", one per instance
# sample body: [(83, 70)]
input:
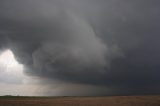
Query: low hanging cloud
[(103, 43)]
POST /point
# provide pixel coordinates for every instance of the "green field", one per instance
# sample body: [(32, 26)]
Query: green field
[(80, 101)]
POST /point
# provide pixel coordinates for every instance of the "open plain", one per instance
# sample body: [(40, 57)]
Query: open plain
[(81, 101)]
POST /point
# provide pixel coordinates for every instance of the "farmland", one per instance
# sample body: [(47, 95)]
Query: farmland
[(81, 101)]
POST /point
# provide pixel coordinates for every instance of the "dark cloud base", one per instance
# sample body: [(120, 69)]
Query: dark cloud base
[(102, 43)]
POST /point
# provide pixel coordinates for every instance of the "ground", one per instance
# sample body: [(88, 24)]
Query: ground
[(81, 101)]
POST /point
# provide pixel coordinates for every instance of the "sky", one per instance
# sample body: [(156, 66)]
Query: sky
[(79, 47)]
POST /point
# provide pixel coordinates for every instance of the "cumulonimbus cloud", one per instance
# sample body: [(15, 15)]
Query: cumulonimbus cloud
[(54, 42), (111, 43)]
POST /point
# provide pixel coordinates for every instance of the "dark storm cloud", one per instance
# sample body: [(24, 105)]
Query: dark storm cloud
[(100, 42)]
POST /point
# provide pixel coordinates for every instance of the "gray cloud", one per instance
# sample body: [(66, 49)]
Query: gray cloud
[(102, 43)]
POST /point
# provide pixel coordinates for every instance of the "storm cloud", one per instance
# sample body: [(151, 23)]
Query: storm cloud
[(103, 43)]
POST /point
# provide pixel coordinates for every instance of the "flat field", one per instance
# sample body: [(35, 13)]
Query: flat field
[(81, 101)]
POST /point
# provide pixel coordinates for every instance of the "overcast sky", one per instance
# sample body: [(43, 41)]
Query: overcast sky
[(79, 47)]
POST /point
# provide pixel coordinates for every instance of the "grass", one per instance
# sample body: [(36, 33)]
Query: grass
[(80, 101)]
